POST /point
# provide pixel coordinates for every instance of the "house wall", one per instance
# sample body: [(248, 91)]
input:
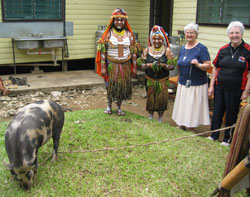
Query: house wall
[(184, 12), (86, 16)]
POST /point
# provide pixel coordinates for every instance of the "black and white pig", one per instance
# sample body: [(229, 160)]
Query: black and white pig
[(31, 128)]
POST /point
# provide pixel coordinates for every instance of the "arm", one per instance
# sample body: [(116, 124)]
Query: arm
[(245, 93), (103, 65), (144, 57), (205, 66), (215, 73), (204, 57), (169, 56), (133, 53), (134, 63), (103, 59)]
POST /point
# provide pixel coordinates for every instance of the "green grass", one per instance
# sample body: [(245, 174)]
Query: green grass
[(190, 167)]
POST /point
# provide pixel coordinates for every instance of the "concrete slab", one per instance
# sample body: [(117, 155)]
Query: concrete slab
[(48, 81)]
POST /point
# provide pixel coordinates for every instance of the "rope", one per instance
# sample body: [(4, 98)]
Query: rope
[(150, 143)]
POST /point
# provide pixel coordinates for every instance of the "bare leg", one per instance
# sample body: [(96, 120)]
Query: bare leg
[(108, 110), (160, 115), (119, 111), (151, 115)]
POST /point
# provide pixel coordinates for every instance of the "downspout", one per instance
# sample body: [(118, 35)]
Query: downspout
[(64, 30)]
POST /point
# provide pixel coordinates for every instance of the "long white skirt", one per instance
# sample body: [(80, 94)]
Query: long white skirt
[(191, 106)]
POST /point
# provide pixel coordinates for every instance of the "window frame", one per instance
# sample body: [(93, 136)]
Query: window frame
[(32, 20), (215, 24)]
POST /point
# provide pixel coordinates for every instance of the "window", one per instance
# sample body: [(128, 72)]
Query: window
[(223, 11), (32, 10)]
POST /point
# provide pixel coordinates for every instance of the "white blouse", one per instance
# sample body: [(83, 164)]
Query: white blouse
[(113, 46)]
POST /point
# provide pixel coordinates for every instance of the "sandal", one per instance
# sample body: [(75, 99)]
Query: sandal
[(108, 111), (120, 112)]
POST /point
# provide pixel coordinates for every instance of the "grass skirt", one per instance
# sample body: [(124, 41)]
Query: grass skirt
[(119, 84), (157, 99)]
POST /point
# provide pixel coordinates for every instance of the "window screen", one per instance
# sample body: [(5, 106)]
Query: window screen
[(32, 10), (223, 11)]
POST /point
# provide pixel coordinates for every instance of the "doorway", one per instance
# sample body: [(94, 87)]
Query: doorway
[(161, 13)]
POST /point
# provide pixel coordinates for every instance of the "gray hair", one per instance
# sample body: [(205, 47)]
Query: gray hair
[(192, 26), (236, 24)]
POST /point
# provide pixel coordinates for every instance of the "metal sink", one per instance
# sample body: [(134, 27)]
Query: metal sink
[(26, 43), (54, 42), (39, 42)]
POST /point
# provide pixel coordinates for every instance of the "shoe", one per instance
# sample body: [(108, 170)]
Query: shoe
[(225, 144), (210, 138), (182, 127), (160, 120)]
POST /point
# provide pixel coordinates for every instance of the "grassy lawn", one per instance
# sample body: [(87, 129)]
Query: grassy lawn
[(189, 167)]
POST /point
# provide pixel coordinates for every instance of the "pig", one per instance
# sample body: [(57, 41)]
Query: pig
[(31, 128)]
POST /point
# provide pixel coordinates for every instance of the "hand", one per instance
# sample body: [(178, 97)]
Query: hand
[(211, 91), (134, 73), (104, 72), (148, 65), (169, 67), (195, 62), (244, 95)]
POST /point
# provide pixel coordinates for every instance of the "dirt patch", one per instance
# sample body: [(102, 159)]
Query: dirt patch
[(92, 99)]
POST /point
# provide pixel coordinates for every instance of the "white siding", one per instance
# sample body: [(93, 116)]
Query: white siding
[(86, 16)]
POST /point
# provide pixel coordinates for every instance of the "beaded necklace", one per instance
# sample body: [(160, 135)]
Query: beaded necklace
[(157, 49), (119, 33), (157, 53)]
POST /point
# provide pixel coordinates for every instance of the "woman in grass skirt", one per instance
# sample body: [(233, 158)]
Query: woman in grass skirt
[(156, 56), (116, 58)]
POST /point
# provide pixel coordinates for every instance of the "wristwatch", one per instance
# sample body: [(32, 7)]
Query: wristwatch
[(248, 91)]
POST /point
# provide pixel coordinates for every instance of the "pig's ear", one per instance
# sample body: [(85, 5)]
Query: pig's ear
[(8, 166)]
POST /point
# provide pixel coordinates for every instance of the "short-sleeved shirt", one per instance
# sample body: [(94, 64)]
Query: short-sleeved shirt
[(198, 76), (233, 66)]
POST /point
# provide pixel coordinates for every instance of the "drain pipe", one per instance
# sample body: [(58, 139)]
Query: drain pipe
[(44, 53), (64, 31)]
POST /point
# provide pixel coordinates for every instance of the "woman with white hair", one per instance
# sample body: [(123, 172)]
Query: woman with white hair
[(230, 81), (191, 102)]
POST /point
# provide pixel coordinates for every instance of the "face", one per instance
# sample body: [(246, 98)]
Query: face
[(24, 178), (157, 42), (119, 23), (235, 36), (190, 35)]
